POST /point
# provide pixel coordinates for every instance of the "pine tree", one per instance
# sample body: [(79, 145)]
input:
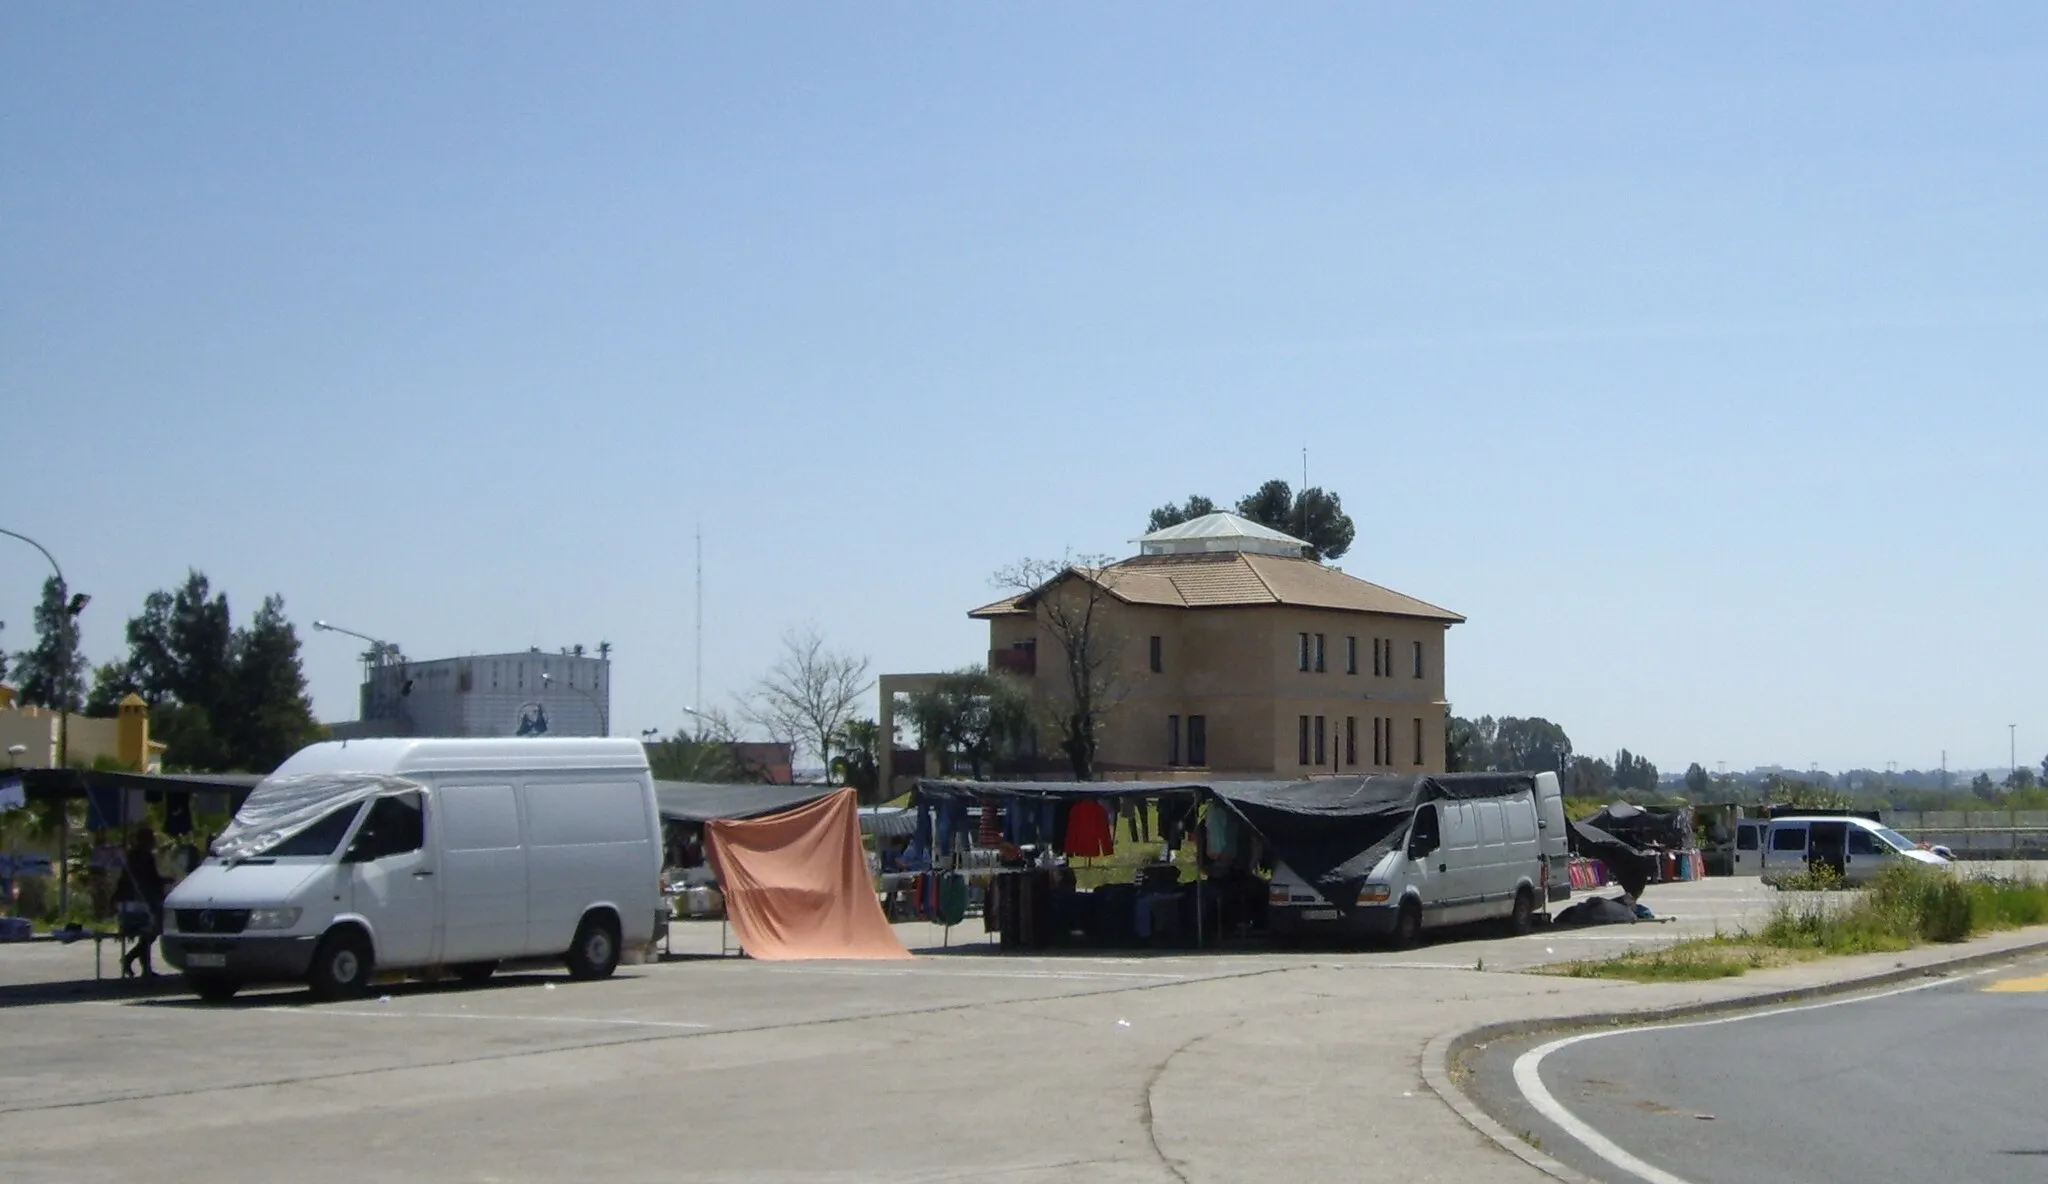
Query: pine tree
[(53, 673), (269, 715)]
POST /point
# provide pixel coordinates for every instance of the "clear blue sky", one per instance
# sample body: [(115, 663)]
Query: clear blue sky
[(1695, 353)]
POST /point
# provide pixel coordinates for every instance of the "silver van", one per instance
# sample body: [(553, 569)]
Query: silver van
[(1856, 850)]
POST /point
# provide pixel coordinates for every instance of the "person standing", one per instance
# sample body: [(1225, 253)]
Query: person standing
[(141, 902)]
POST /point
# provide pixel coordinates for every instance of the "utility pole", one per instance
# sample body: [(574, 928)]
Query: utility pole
[(700, 628), (1299, 500), (2012, 750)]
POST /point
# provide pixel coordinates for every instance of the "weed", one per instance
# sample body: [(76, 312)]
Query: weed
[(1691, 961)]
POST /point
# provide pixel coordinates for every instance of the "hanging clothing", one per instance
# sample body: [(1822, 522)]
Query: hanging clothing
[(990, 832), (178, 814), (1088, 831), (952, 899), (1176, 816), (922, 837), (1221, 832), (1137, 813), (103, 808)]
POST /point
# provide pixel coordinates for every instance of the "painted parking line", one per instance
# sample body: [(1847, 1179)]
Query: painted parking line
[(1528, 1074), (2038, 982)]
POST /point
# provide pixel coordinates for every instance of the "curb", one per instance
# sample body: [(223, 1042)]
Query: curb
[(1442, 1050)]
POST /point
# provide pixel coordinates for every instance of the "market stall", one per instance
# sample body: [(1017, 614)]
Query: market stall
[(1013, 849)]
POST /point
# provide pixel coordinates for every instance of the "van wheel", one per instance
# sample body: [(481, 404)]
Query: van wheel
[(213, 988), (341, 966), (473, 973), (1523, 919), (1407, 925), (595, 952)]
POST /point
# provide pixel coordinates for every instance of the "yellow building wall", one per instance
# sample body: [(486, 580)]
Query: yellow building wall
[(1240, 669), (87, 741)]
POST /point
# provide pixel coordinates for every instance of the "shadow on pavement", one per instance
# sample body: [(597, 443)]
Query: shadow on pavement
[(169, 991)]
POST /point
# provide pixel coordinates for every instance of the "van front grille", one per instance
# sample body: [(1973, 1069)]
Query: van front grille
[(211, 920)]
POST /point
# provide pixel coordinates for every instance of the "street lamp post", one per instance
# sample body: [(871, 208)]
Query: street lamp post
[(68, 623), (604, 726), (381, 652), (697, 715)]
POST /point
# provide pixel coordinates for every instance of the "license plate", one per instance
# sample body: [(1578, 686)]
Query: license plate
[(207, 961), (1319, 914)]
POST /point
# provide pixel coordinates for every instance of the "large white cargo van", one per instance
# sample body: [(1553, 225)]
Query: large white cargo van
[(1462, 860), (368, 855)]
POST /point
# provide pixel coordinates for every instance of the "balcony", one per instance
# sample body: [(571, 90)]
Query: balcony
[(1014, 661)]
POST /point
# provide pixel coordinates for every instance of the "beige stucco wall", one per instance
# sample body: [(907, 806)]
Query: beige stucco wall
[(86, 740), (1239, 667)]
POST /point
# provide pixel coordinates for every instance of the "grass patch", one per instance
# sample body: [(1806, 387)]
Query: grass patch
[(1686, 962), (1903, 908)]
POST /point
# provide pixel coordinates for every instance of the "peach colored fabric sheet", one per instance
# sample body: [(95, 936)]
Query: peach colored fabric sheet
[(797, 884)]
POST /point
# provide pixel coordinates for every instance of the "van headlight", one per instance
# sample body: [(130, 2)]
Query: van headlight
[(1373, 894), (272, 918)]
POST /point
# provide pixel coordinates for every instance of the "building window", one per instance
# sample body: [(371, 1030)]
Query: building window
[(1418, 742), (1319, 653), (1418, 659), (1304, 739), (1157, 663), (1198, 740), (1351, 655), (1351, 739), (1319, 741), (1375, 657), (1377, 750), (1172, 739), (1304, 653)]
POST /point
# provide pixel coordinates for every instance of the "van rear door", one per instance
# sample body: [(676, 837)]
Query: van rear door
[(1749, 843), (1785, 854)]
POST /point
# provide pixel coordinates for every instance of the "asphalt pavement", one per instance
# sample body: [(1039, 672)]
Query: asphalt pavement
[(967, 1064), (1938, 1079)]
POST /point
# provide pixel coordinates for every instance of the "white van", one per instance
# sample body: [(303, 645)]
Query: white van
[(366, 855), (1749, 845), (1855, 849), (1461, 861)]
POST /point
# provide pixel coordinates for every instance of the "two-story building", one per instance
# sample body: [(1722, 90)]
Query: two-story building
[(1233, 654)]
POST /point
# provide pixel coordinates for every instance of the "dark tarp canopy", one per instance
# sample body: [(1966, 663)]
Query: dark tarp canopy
[(936, 789), (1332, 831), (56, 785), (1619, 834), (699, 801)]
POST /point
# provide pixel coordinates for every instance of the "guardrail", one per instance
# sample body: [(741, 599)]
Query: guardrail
[(1976, 834)]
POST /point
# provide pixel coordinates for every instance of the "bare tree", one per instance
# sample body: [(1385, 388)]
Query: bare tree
[(808, 695), (1069, 599)]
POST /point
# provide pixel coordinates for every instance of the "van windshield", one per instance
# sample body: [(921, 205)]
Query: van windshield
[(321, 838), (1898, 841)]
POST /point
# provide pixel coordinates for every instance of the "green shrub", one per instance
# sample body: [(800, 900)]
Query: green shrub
[(1945, 909), (1818, 877)]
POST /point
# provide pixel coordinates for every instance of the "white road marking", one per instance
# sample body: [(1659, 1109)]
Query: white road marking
[(1529, 1075)]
